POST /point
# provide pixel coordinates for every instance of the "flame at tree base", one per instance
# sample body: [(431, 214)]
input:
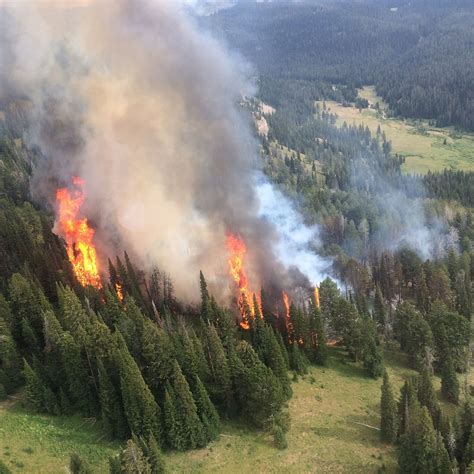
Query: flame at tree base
[(78, 234)]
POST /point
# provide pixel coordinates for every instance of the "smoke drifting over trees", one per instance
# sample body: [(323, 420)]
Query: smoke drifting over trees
[(134, 99)]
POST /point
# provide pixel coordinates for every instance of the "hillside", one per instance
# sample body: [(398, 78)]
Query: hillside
[(199, 275), (327, 406)]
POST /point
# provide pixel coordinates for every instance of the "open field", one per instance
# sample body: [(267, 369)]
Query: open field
[(425, 148), (33, 443), (325, 435)]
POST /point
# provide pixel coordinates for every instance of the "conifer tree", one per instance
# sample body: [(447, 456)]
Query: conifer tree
[(417, 450), (258, 392), (318, 337), (154, 455), (371, 352), (380, 315), (171, 422), (283, 349), (468, 455), (141, 410), (427, 396), (35, 388), (205, 299), (135, 291), (449, 381), (189, 424), (388, 412), (466, 423), (219, 385), (298, 360), (10, 361), (408, 400), (205, 409), (272, 357), (157, 352), (77, 375), (27, 303), (112, 414), (441, 461), (72, 315)]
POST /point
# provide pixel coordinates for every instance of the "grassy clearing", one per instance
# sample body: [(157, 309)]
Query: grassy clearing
[(328, 411), (42, 444), (425, 148), (325, 435)]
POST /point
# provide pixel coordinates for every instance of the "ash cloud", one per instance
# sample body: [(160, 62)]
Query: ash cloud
[(130, 96)]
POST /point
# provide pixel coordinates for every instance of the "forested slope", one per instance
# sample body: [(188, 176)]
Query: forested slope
[(418, 54)]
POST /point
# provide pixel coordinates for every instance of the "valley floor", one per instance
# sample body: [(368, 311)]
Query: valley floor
[(424, 147), (334, 416)]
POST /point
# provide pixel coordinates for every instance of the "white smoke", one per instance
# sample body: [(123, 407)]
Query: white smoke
[(297, 244)]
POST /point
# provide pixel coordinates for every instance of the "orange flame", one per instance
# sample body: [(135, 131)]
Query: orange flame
[(237, 249), (316, 297), (78, 235), (289, 324), (119, 291)]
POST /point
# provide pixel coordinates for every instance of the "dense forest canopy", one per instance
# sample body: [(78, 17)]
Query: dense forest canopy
[(418, 54)]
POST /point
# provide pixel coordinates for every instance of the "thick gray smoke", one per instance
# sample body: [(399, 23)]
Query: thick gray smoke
[(130, 96)]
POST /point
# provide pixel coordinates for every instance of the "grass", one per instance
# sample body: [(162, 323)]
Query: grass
[(329, 409), (325, 436), (42, 444), (425, 148)]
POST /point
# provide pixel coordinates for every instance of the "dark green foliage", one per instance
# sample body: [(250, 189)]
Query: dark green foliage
[(380, 314), (4, 468), (258, 392), (10, 361), (371, 351), (420, 450), (189, 426), (157, 352), (451, 333), (112, 414), (449, 381), (77, 465), (206, 410), (171, 422), (280, 438), (427, 397), (407, 402), (319, 351), (468, 455), (115, 465), (219, 385), (141, 409), (271, 355), (35, 388), (298, 361), (154, 455), (388, 412), (413, 333)]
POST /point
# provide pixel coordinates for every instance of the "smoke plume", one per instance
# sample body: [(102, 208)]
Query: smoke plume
[(133, 98)]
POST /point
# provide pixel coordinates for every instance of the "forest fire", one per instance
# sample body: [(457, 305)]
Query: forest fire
[(119, 291), (78, 234), (316, 297), (288, 323), (237, 249)]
